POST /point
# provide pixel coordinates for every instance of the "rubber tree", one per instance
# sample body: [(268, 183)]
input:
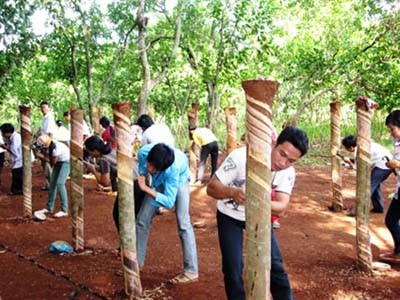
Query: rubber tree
[(259, 99)]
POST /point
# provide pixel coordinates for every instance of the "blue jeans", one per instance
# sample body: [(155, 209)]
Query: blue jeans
[(377, 177), (57, 181), (230, 234), (185, 229), (392, 222)]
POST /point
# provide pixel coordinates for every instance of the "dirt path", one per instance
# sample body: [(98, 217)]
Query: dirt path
[(318, 248)]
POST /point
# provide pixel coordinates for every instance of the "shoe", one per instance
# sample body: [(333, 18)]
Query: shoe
[(376, 211), (184, 278), (43, 211), (276, 224), (44, 188), (60, 214)]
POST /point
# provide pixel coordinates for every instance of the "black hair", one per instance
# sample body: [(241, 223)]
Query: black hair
[(161, 156), (104, 121), (7, 128), (349, 141), (44, 103), (144, 121), (66, 113), (393, 118), (59, 123), (297, 137), (95, 142)]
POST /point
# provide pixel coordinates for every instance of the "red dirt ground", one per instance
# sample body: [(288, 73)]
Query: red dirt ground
[(318, 248)]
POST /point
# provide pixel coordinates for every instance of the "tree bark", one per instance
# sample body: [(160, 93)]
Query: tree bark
[(96, 118), (148, 83), (126, 200), (77, 189), (26, 134), (193, 120), (363, 194), (231, 128), (259, 99), (336, 169)]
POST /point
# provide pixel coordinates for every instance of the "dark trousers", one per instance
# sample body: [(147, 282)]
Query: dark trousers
[(230, 234), (377, 177), (16, 181), (1, 164), (209, 149), (139, 197), (392, 222)]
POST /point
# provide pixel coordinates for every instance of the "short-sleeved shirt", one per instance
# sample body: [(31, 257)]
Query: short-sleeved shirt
[(158, 133), (61, 150), (203, 136), (378, 156), (15, 146), (1, 142), (108, 136), (108, 162), (232, 172), (49, 124)]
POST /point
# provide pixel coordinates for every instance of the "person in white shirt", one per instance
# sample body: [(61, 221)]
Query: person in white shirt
[(379, 171), (48, 127), (59, 158), (14, 147), (154, 133), (228, 186), (48, 122)]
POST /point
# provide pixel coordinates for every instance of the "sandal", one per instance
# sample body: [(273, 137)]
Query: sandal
[(183, 278)]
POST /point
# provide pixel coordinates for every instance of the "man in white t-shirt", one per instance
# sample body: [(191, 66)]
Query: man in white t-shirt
[(228, 186), (379, 171), (2, 157), (154, 133), (13, 145)]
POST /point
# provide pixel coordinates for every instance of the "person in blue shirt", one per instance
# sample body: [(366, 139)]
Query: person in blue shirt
[(168, 187)]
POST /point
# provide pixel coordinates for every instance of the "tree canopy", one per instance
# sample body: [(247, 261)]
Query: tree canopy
[(170, 54)]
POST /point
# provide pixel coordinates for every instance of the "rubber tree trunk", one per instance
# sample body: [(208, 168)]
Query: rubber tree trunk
[(193, 120), (26, 134), (126, 201), (95, 120), (363, 193), (231, 128), (336, 170), (77, 191), (259, 99)]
